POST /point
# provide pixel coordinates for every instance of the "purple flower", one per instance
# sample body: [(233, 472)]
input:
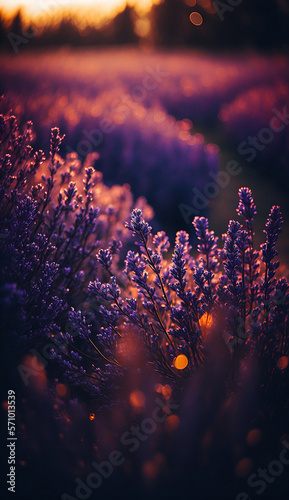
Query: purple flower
[(104, 257), (55, 141), (138, 226), (246, 206), (207, 245), (161, 242), (232, 251), (272, 231)]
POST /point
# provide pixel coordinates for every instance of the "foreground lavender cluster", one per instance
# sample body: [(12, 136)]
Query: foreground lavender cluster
[(175, 305), (55, 216), (69, 273)]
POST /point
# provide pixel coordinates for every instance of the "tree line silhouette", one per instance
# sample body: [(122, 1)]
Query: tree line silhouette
[(260, 23)]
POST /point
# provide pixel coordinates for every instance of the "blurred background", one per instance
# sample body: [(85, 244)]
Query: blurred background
[(151, 83), (260, 24), (167, 92), (225, 64)]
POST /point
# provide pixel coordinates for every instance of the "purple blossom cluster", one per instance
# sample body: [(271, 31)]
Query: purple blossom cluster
[(71, 273), (59, 225), (178, 305), (198, 340)]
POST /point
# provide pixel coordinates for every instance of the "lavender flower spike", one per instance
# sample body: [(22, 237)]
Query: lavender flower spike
[(232, 253), (273, 229), (104, 257), (207, 242), (273, 226), (138, 226), (246, 207), (55, 141)]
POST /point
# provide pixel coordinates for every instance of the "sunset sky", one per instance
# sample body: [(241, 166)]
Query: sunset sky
[(40, 8)]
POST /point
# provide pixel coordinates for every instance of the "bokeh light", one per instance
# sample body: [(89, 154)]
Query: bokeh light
[(254, 437), (196, 18), (181, 362), (61, 389), (172, 423), (282, 363), (137, 400), (243, 467)]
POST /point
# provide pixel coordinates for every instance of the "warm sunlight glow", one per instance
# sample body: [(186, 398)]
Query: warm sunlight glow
[(206, 321), (90, 11)]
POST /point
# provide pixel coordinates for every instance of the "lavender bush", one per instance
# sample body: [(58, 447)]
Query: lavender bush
[(173, 305), (125, 317), (55, 239), (55, 216)]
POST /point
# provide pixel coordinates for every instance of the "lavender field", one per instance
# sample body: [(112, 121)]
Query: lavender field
[(182, 114), (144, 257)]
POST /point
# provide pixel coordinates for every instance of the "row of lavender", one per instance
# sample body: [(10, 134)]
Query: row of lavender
[(187, 84), (137, 145), (120, 105)]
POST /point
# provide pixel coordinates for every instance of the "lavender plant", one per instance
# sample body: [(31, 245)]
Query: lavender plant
[(55, 216), (70, 268), (174, 305)]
